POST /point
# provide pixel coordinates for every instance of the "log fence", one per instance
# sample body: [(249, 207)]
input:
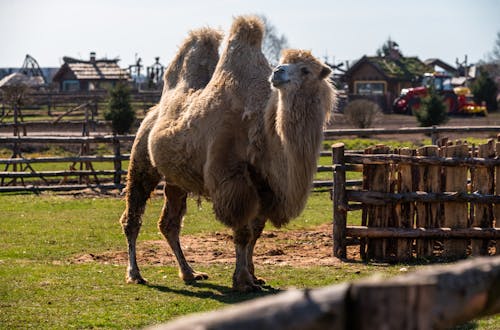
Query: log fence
[(429, 202), (436, 297)]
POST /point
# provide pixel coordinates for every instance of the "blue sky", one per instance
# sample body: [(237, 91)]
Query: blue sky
[(342, 30)]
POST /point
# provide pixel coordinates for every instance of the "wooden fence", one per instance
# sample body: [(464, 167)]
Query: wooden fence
[(437, 297), (433, 201), (20, 173), (12, 176), (66, 100)]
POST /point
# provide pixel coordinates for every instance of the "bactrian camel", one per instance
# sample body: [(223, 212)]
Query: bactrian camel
[(248, 141)]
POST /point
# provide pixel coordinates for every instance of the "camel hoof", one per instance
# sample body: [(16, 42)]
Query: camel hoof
[(247, 288), (193, 277), (137, 280)]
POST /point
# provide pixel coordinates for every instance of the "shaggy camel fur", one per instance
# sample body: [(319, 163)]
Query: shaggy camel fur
[(251, 150), (190, 71)]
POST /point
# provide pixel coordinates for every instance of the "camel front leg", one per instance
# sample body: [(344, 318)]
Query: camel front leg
[(173, 211), (257, 227), (243, 279)]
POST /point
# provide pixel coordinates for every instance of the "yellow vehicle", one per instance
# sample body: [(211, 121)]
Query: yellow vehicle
[(466, 104)]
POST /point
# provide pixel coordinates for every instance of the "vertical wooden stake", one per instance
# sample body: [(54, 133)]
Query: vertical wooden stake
[(428, 214), (406, 211), (117, 162), (483, 184), (496, 208), (339, 202), (455, 213), (378, 216)]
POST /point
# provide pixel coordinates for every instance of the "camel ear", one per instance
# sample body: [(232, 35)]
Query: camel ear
[(325, 72)]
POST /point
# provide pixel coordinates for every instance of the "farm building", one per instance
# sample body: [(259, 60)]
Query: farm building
[(80, 75), (381, 78)]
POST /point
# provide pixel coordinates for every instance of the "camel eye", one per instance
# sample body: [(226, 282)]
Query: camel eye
[(305, 71)]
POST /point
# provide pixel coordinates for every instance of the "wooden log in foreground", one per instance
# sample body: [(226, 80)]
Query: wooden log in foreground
[(436, 297)]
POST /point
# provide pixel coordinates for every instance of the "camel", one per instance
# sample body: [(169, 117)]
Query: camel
[(248, 141)]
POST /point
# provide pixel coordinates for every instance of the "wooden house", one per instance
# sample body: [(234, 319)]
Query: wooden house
[(80, 75), (381, 78)]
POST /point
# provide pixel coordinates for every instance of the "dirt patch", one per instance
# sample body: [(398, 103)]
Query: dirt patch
[(297, 248)]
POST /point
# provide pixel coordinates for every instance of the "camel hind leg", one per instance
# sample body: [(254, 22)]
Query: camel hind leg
[(139, 188), (169, 224)]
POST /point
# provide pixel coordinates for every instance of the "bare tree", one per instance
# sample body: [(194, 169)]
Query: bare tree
[(273, 42), (362, 113), (494, 56)]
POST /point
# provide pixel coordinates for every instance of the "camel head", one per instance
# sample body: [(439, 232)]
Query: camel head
[(298, 68), (195, 60)]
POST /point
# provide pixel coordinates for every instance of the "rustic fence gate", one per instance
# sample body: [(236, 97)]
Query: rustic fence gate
[(433, 201)]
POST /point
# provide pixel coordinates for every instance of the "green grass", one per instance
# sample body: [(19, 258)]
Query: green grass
[(42, 288)]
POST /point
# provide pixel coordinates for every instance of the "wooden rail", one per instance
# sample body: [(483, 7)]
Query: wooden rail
[(351, 156), (433, 131), (80, 166), (436, 297)]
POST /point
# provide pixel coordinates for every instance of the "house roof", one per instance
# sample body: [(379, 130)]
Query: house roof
[(442, 64), (402, 68), (19, 78), (92, 70)]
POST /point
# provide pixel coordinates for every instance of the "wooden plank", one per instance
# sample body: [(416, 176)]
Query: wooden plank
[(420, 160), (455, 213), (404, 212), (483, 183), (339, 202), (57, 173), (378, 216), (382, 198), (66, 139), (438, 297), (332, 133), (428, 215), (496, 207), (74, 159), (35, 188), (422, 233)]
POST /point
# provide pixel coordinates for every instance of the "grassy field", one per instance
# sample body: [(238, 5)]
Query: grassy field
[(42, 287)]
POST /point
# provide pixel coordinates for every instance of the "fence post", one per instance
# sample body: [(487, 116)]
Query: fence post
[(428, 214), (339, 201), (482, 182), (117, 162), (434, 135), (455, 213)]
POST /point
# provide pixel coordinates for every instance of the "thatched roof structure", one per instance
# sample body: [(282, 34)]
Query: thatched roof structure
[(19, 78)]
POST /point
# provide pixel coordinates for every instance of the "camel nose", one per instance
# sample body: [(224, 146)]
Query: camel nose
[(279, 70), (280, 75)]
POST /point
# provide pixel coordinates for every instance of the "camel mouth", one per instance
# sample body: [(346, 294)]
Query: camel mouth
[(279, 82)]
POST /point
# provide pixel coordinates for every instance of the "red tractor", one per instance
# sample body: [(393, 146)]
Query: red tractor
[(459, 99)]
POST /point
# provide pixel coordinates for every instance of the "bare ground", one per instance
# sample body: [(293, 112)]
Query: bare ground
[(297, 248)]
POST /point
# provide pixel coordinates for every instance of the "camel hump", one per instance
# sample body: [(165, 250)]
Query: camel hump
[(204, 34), (248, 29)]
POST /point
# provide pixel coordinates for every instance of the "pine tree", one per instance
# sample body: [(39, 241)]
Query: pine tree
[(432, 110), (120, 111), (485, 90)]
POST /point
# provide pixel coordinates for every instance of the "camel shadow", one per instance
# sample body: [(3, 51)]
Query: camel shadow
[(216, 292)]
